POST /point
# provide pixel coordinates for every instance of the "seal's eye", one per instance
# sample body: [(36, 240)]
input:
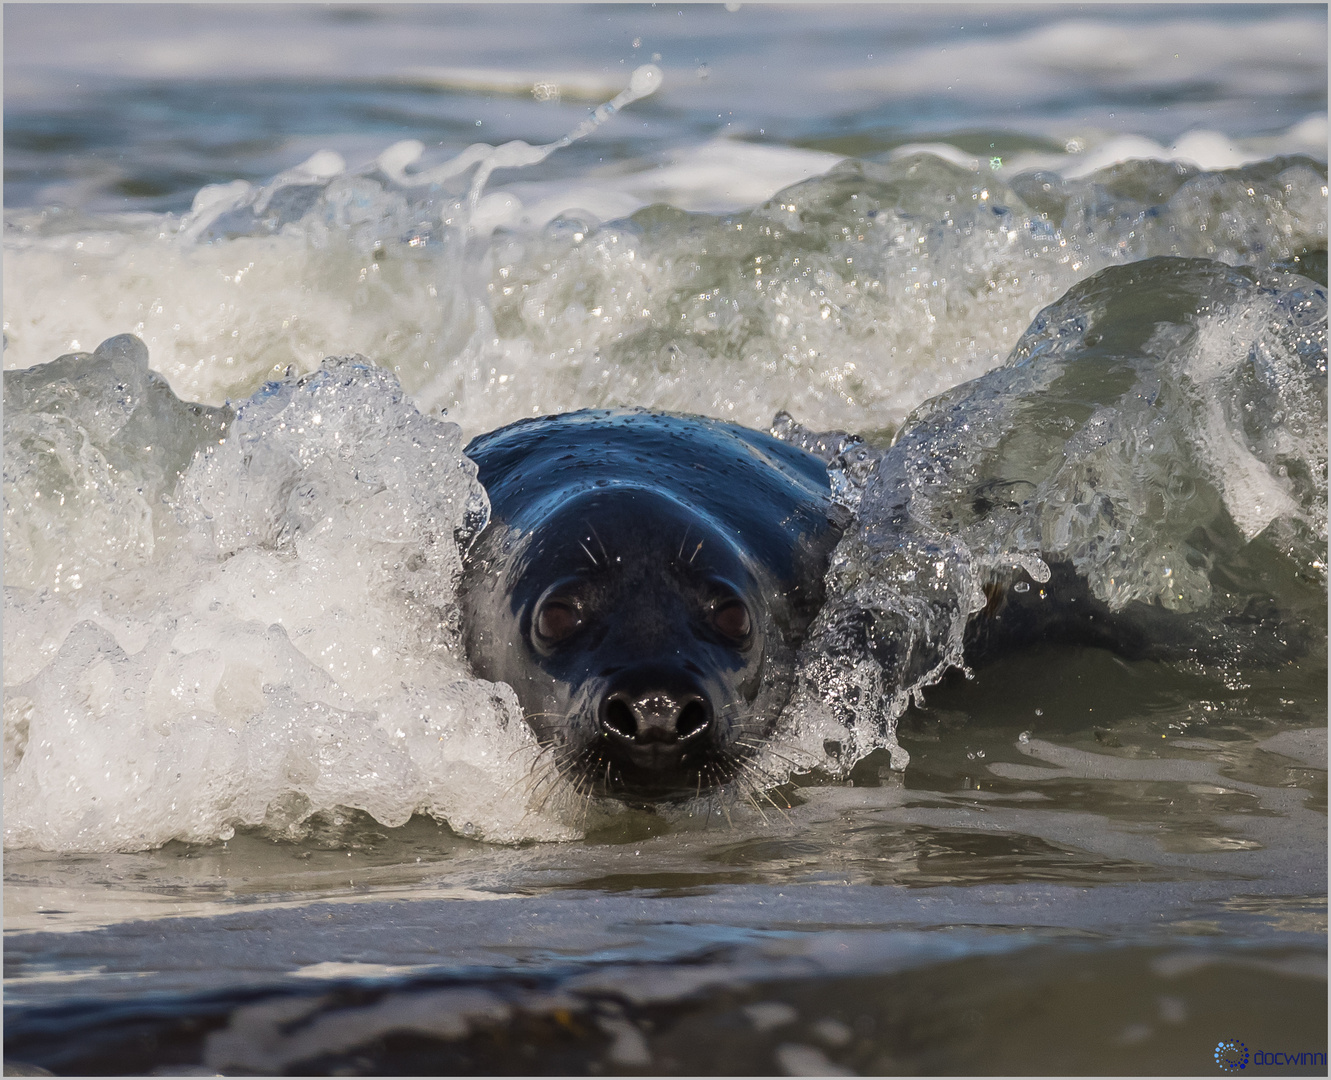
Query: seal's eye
[(731, 619), (556, 621)]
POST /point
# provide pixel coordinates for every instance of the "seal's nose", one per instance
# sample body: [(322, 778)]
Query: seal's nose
[(662, 710)]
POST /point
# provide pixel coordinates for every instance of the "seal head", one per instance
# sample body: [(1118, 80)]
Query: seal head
[(642, 585)]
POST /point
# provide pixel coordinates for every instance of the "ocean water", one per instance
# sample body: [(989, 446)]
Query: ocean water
[(1061, 274)]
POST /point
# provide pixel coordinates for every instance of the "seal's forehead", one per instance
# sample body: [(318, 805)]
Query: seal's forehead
[(765, 493), (633, 445), (621, 525)]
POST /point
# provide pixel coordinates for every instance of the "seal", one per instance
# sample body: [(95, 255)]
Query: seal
[(643, 584)]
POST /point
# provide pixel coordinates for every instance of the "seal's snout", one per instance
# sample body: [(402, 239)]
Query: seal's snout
[(661, 711)]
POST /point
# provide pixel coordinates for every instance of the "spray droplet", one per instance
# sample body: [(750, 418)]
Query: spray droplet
[(645, 80)]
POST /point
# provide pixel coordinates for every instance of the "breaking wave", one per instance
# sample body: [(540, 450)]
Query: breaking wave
[(230, 576)]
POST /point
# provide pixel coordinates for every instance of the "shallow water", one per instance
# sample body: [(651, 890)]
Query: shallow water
[(259, 815)]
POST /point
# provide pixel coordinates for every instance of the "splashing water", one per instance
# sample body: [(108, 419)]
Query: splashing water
[(286, 647), (1162, 428), (258, 628), (306, 179), (243, 612)]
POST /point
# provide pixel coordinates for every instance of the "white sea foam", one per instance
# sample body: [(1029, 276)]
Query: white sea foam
[(724, 175), (293, 652), (923, 278), (1199, 148)]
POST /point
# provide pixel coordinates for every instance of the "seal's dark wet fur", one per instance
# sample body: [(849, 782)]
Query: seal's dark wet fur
[(643, 584)]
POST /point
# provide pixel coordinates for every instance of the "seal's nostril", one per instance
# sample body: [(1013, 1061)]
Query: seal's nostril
[(653, 716), (693, 718), (619, 718)]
